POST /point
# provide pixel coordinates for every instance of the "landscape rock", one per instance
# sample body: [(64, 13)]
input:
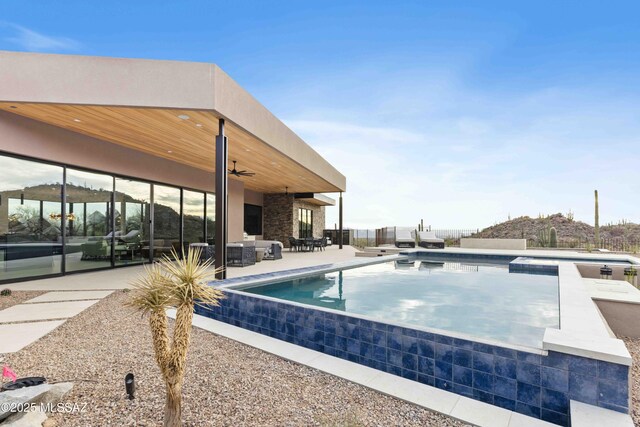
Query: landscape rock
[(50, 422), (33, 418), (21, 396), (42, 394), (56, 393)]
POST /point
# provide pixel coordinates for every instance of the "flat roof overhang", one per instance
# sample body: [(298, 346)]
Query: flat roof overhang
[(315, 199), (165, 108)]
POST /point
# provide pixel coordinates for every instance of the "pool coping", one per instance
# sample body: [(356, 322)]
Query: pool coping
[(583, 331), (434, 399), (533, 253)]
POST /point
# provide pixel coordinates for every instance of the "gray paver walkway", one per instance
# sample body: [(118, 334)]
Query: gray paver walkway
[(69, 296), (16, 336), (44, 311)]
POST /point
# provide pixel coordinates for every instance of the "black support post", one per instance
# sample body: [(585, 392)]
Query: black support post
[(341, 231), (63, 221), (222, 155)]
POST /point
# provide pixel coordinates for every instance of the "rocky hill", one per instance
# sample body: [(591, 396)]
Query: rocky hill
[(568, 229)]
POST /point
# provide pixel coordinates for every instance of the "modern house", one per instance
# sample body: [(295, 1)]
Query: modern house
[(106, 162)]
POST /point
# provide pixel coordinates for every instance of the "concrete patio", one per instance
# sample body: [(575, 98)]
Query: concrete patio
[(23, 324), (119, 278)]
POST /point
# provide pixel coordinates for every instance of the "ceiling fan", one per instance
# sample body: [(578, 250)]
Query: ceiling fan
[(239, 173)]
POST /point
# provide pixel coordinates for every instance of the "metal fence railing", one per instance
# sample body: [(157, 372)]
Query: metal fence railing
[(362, 238), (452, 236), (387, 235)]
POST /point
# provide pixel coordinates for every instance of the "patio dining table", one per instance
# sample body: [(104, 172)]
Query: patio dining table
[(308, 244)]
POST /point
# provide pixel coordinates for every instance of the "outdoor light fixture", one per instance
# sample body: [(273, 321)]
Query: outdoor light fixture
[(199, 125), (77, 120), (183, 117), (12, 106), (130, 385), (606, 272), (286, 190)]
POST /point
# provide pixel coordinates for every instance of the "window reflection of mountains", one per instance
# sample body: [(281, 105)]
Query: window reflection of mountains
[(29, 221)]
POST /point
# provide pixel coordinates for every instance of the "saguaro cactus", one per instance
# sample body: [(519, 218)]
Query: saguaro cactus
[(597, 222), (543, 237), (553, 238)]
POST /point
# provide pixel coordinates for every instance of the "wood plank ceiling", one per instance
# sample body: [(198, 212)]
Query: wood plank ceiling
[(191, 141)]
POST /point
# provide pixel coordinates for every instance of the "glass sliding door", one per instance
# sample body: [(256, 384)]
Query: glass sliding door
[(132, 217), (193, 217), (166, 220), (305, 223), (90, 237), (106, 220), (30, 219), (211, 219)]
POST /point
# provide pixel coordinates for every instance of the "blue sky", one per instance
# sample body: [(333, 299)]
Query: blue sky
[(461, 113)]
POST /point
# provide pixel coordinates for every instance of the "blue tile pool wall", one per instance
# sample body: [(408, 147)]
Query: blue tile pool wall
[(542, 269), (535, 385)]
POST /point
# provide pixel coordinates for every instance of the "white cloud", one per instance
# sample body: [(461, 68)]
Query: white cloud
[(485, 158), (31, 40), (331, 131)]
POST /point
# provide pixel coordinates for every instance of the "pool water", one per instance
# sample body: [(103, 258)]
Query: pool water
[(475, 298)]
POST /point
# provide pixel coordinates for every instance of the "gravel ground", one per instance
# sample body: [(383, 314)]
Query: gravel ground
[(633, 345), (227, 383), (17, 297)]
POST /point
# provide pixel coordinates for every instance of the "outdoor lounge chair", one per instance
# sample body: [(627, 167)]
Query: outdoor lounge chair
[(404, 239), (428, 239)]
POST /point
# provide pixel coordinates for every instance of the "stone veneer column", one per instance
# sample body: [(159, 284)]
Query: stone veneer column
[(278, 216)]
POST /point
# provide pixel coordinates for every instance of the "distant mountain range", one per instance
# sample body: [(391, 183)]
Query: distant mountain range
[(526, 227)]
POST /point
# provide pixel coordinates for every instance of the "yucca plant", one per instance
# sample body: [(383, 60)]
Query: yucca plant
[(181, 284)]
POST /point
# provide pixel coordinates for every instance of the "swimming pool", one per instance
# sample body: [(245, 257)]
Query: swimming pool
[(537, 381), (476, 298)]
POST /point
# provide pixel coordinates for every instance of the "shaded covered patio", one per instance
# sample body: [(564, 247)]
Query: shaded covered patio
[(174, 123)]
